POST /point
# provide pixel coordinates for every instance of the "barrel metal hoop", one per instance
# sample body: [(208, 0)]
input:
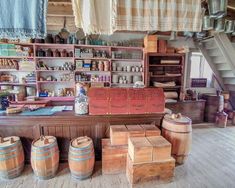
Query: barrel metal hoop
[(43, 147), (14, 144), (16, 149), (43, 157), (176, 131), (79, 176), (80, 159), (80, 154)]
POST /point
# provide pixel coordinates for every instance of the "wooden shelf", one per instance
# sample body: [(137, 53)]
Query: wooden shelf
[(127, 48), (168, 87), (167, 76), (124, 72), (70, 58), (93, 82), (124, 85), (59, 71), (165, 65), (93, 58), (60, 46), (54, 82), (132, 60), (17, 84), (90, 71), (165, 54), (16, 57)]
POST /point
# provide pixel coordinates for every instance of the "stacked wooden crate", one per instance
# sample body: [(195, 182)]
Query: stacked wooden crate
[(115, 149), (149, 158)]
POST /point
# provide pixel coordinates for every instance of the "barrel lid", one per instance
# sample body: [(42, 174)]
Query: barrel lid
[(177, 118), (44, 141), (81, 142), (8, 141)]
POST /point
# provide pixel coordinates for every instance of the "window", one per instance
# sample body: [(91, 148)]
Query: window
[(200, 68)]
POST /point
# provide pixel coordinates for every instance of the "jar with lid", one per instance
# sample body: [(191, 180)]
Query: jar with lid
[(64, 53), (40, 53), (56, 53), (101, 66), (49, 53), (81, 104)]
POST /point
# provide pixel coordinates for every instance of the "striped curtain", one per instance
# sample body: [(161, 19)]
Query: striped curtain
[(160, 15)]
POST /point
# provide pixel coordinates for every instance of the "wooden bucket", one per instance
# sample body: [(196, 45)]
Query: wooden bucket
[(11, 157), (45, 157), (81, 157), (177, 130)]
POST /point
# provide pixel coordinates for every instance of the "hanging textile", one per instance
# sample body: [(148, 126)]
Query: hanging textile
[(23, 19), (157, 15), (93, 16)]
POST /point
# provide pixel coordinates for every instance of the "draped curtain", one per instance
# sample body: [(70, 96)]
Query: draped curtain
[(107, 16), (23, 18)]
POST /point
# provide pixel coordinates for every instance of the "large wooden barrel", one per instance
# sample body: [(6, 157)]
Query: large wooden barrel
[(45, 157), (11, 157), (177, 130), (81, 157), (214, 104)]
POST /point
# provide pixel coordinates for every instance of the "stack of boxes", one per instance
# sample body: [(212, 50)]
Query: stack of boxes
[(138, 150)]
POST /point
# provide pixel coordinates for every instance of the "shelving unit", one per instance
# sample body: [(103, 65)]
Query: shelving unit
[(157, 71), (124, 59)]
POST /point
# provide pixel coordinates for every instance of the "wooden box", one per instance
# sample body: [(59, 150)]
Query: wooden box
[(135, 131), (161, 148), (150, 43), (151, 130), (140, 149), (138, 173), (113, 158), (118, 135), (162, 46)]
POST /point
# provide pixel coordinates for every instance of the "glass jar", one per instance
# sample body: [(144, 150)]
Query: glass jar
[(81, 104)]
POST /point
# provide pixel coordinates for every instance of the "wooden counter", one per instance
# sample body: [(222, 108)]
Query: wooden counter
[(193, 109), (67, 125)]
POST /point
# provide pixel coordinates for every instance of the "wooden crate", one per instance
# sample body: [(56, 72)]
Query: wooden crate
[(113, 158), (135, 131), (161, 148), (140, 149), (162, 46), (143, 172), (150, 43), (151, 130), (118, 135)]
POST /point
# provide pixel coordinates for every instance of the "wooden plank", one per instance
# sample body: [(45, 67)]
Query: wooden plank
[(113, 158), (135, 131), (59, 9), (139, 173), (151, 130)]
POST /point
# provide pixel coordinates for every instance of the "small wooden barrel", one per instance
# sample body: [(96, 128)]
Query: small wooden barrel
[(11, 157), (81, 157), (177, 130), (45, 157), (214, 104)]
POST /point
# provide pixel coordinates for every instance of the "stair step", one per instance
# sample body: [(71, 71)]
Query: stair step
[(210, 44), (223, 66), (218, 59), (227, 74), (215, 52), (230, 81)]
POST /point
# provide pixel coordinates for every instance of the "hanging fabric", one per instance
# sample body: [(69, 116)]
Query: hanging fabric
[(23, 19), (93, 16), (157, 15)]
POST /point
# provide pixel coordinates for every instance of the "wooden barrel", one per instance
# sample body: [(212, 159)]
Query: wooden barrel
[(45, 157), (81, 157), (178, 131), (214, 104), (11, 157), (221, 119)]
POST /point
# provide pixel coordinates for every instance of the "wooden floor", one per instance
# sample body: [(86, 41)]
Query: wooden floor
[(210, 165)]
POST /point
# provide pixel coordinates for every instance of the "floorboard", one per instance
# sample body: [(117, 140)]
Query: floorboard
[(211, 164)]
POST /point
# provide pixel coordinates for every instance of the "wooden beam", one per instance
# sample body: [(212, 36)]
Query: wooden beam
[(60, 9)]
